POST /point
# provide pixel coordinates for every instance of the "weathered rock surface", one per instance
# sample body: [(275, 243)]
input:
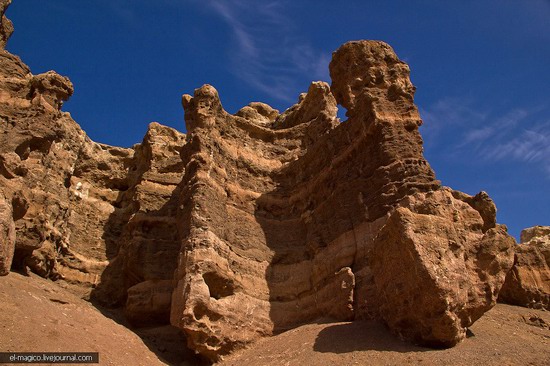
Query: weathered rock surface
[(38, 148), (281, 218), (6, 27), (253, 223), (99, 218), (535, 235), (7, 236), (436, 270), (528, 283)]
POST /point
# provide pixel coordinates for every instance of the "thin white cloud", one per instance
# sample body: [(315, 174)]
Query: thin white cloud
[(452, 111), (531, 146), (448, 112), (456, 128), (479, 134), (267, 54), (496, 130)]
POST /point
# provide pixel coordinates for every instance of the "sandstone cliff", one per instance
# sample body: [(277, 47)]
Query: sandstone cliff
[(281, 214), (253, 223), (97, 217), (528, 283)]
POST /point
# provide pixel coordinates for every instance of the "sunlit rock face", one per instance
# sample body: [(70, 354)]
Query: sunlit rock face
[(6, 27), (253, 223), (100, 219), (436, 269), (290, 218), (528, 283), (7, 236)]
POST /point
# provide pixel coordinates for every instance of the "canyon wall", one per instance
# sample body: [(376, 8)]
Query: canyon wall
[(253, 223), (100, 219), (528, 283)]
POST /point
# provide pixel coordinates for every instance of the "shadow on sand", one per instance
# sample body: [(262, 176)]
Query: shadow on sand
[(361, 336)]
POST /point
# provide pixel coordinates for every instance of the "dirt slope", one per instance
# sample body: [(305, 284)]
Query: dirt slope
[(506, 335), (38, 316)]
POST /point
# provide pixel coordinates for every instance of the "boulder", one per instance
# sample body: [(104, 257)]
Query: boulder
[(148, 303), (436, 270), (528, 283)]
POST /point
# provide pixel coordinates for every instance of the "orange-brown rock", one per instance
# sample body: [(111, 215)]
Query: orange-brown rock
[(436, 269), (253, 223), (528, 283), (535, 235), (6, 27), (148, 244), (100, 219), (148, 302), (7, 235), (280, 217)]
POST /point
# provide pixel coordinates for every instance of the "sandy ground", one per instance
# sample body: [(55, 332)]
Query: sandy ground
[(506, 335), (36, 315)]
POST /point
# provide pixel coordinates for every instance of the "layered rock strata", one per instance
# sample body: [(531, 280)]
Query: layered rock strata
[(284, 216), (253, 223), (100, 219), (528, 283)]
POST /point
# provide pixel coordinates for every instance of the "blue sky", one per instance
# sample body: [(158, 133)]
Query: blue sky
[(482, 69)]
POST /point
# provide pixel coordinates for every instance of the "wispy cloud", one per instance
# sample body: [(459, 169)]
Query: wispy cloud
[(449, 112), (268, 54), (520, 134), (531, 145), (497, 129), (452, 111)]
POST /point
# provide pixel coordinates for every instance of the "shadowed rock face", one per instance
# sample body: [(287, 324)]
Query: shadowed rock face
[(100, 219), (253, 223), (528, 283), (284, 218)]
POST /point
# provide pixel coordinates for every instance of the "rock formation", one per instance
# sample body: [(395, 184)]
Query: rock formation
[(6, 27), (436, 269), (7, 236), (100, 218), (528, 283), (253, 223), (285, 212)]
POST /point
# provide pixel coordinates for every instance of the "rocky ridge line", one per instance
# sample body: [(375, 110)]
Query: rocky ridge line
[(253, 223)]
